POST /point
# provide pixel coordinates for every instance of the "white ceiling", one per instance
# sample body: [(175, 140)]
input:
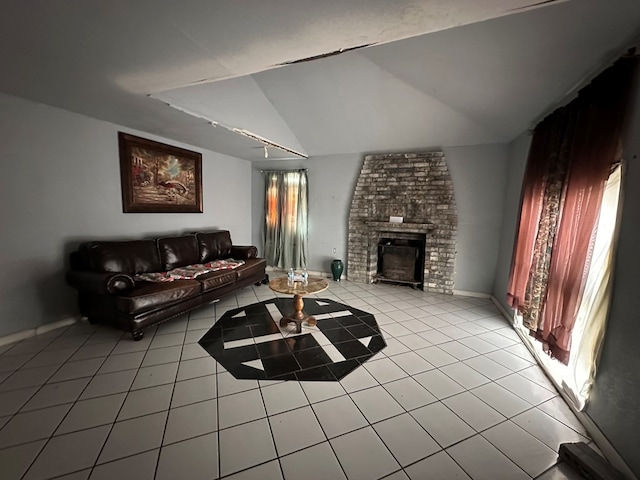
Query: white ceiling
[(439, 73)]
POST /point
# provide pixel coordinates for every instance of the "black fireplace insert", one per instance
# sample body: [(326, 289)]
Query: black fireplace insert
[(401, 261)]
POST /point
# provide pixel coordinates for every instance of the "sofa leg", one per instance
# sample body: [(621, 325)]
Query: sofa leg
[(137, 335)]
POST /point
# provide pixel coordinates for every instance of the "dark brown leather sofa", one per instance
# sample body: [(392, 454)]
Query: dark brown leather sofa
[(104, 271)]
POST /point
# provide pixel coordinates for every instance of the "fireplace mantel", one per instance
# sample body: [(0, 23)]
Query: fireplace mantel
[(400, 227)]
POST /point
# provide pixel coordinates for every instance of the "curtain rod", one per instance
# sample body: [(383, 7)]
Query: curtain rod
[(294, 170)]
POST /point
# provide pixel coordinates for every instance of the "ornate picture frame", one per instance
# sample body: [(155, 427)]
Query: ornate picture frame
[(159, 178)]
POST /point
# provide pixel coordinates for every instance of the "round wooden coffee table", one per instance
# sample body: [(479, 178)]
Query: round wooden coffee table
[(314, 285)]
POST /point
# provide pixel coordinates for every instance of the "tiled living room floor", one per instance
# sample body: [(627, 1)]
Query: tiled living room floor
[(453, 395)]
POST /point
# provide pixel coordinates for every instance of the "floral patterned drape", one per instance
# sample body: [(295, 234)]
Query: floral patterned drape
[(551, 184)]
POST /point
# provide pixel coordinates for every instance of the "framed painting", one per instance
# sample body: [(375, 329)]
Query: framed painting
[(159, 178)]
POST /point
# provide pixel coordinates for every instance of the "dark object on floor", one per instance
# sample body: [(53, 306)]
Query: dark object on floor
[(249, 343), (104, 272), (586, 462), (337, 267)]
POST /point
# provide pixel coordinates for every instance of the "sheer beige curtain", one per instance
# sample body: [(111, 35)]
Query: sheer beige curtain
[(588, 331), (286, 224)]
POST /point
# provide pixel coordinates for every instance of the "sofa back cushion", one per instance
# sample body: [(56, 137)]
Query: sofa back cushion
[(214, 245), (134, 256), (178, 251)]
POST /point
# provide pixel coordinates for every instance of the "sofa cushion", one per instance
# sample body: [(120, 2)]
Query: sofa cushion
[(243, 252), (251, 267), (135, 256), (217, 279), (148, 296), (178, 251), (214, 245)]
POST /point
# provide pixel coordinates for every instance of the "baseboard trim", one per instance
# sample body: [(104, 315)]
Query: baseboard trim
[(599, 438), (467, 293), (32, 332), (503, 310)]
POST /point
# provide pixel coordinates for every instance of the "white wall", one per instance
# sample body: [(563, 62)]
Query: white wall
[(478, 175), (616, 392), (61, 185), (517, 160), (478, 179)]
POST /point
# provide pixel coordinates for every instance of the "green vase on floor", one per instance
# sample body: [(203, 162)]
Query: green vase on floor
[(337, 267)]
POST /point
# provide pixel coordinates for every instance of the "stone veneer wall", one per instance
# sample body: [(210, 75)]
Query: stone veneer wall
[(415, 186)]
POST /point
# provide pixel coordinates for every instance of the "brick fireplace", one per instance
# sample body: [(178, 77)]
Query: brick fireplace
[(414, 186)]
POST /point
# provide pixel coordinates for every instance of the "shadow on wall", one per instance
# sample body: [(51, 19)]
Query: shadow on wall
[(55, 299), (325, 261)]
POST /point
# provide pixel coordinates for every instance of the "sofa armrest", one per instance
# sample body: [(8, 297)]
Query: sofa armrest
[(100, 282), (243, 252)]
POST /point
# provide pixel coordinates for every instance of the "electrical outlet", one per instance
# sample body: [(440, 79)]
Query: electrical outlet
[(333, 251)]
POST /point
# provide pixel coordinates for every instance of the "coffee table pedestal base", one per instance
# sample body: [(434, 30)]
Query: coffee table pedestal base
[(298, 316)]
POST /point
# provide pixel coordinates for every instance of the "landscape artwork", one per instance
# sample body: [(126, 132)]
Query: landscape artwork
[(159, 178)]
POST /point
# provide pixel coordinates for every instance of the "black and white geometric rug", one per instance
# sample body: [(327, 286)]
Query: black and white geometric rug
[(250, 343)]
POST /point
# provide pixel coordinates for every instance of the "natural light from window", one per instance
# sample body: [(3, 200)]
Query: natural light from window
[(576, 378)]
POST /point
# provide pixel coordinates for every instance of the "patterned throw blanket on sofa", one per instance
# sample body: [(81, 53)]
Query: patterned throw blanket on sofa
[(188, 272)]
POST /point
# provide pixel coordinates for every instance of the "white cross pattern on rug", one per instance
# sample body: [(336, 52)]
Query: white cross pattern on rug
[(247, 340)]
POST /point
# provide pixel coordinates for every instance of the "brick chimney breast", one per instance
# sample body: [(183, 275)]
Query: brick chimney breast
[(417, 187)]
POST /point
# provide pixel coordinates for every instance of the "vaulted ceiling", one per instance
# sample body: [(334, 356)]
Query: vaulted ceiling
[(316, 78)]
